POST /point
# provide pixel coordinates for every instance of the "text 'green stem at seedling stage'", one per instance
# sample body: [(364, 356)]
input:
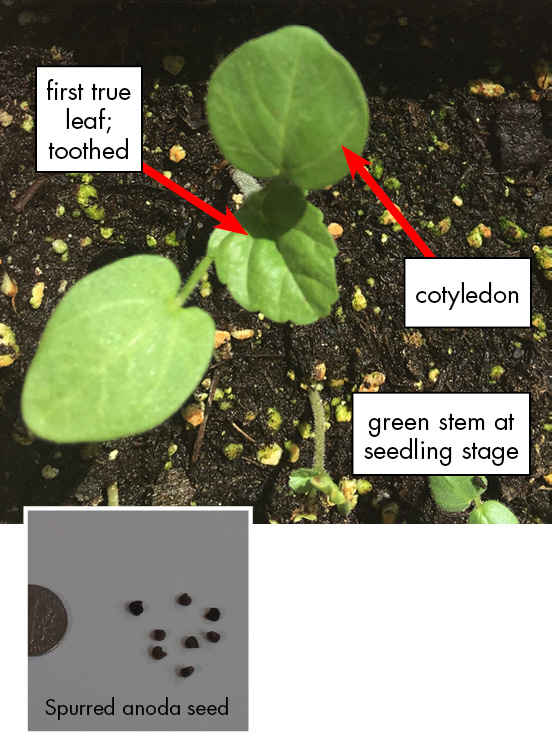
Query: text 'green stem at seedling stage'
[(441, 433)]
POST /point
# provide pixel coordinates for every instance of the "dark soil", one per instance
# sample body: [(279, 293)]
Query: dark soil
[(415, 72)]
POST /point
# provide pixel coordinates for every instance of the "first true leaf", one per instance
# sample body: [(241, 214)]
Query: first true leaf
[(118, 355), (284, 267)]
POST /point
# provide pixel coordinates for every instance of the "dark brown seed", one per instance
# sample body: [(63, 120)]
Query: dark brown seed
[(185, 672), (158, 653), (191, 642), (212, 614), (136, 608), (184, 599), (158, 634), (213, 636)]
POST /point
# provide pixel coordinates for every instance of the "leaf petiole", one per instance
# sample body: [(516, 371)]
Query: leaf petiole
[(196, 276)]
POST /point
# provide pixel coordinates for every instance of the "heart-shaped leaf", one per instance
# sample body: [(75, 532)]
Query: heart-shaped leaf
[(492, 511), (284, 104), (285, 266), (456, 493), (118, 355)]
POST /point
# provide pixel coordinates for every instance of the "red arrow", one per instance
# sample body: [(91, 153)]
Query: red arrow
[(228, 222), (356, 165)]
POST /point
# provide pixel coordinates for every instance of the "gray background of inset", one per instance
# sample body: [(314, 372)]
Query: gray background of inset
[(98, 560)]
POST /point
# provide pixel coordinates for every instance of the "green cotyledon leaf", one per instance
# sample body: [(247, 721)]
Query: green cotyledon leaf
[(284, 267), (456, 493), (492, 511), (118, 355), (284, 104), (301, 480), (305, 480)]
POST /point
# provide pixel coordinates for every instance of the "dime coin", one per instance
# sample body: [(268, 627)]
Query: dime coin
[(47, 620)]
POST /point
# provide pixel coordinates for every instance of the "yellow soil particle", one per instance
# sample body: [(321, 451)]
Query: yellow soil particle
[(220, 338), (5, 118), (319, 372), (485, 88), (242, 334), (37, 294), (542, 71), (193, 414), (9, 287), (372, 382), (335, 230), (11, 349), (177, 153), (415, 339)]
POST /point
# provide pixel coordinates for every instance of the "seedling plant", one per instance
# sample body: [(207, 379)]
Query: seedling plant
[(310, 482), (455, 494), (124, 348)]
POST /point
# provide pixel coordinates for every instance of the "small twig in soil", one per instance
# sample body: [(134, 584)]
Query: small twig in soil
[(20, 204), (268, 379), (248, 437), (267, 356), (216, 365), (254, 463), (202, 428)]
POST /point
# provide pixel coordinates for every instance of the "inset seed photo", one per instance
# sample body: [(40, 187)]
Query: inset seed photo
[(138, 619)]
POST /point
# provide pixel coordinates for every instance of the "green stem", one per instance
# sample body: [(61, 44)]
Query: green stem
[(319, 430), (477, 502), (199, 271)]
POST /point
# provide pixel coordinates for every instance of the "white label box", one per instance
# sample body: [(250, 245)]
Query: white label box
[(441, 434), (88, 119), (468, 292)]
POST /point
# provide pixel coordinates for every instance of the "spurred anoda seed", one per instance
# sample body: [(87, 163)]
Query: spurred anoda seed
[(136, 607), (212, 614), (185, 672), (191, 642), (158, 634), (158, 653), (213, 636), (184, 599)]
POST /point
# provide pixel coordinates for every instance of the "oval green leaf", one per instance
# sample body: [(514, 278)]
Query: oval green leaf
[(285, 266), (456, 493), (118, 355), (284, 104), (492, 511)]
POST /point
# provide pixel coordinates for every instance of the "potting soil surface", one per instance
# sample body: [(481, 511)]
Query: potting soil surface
[(447, 157)]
